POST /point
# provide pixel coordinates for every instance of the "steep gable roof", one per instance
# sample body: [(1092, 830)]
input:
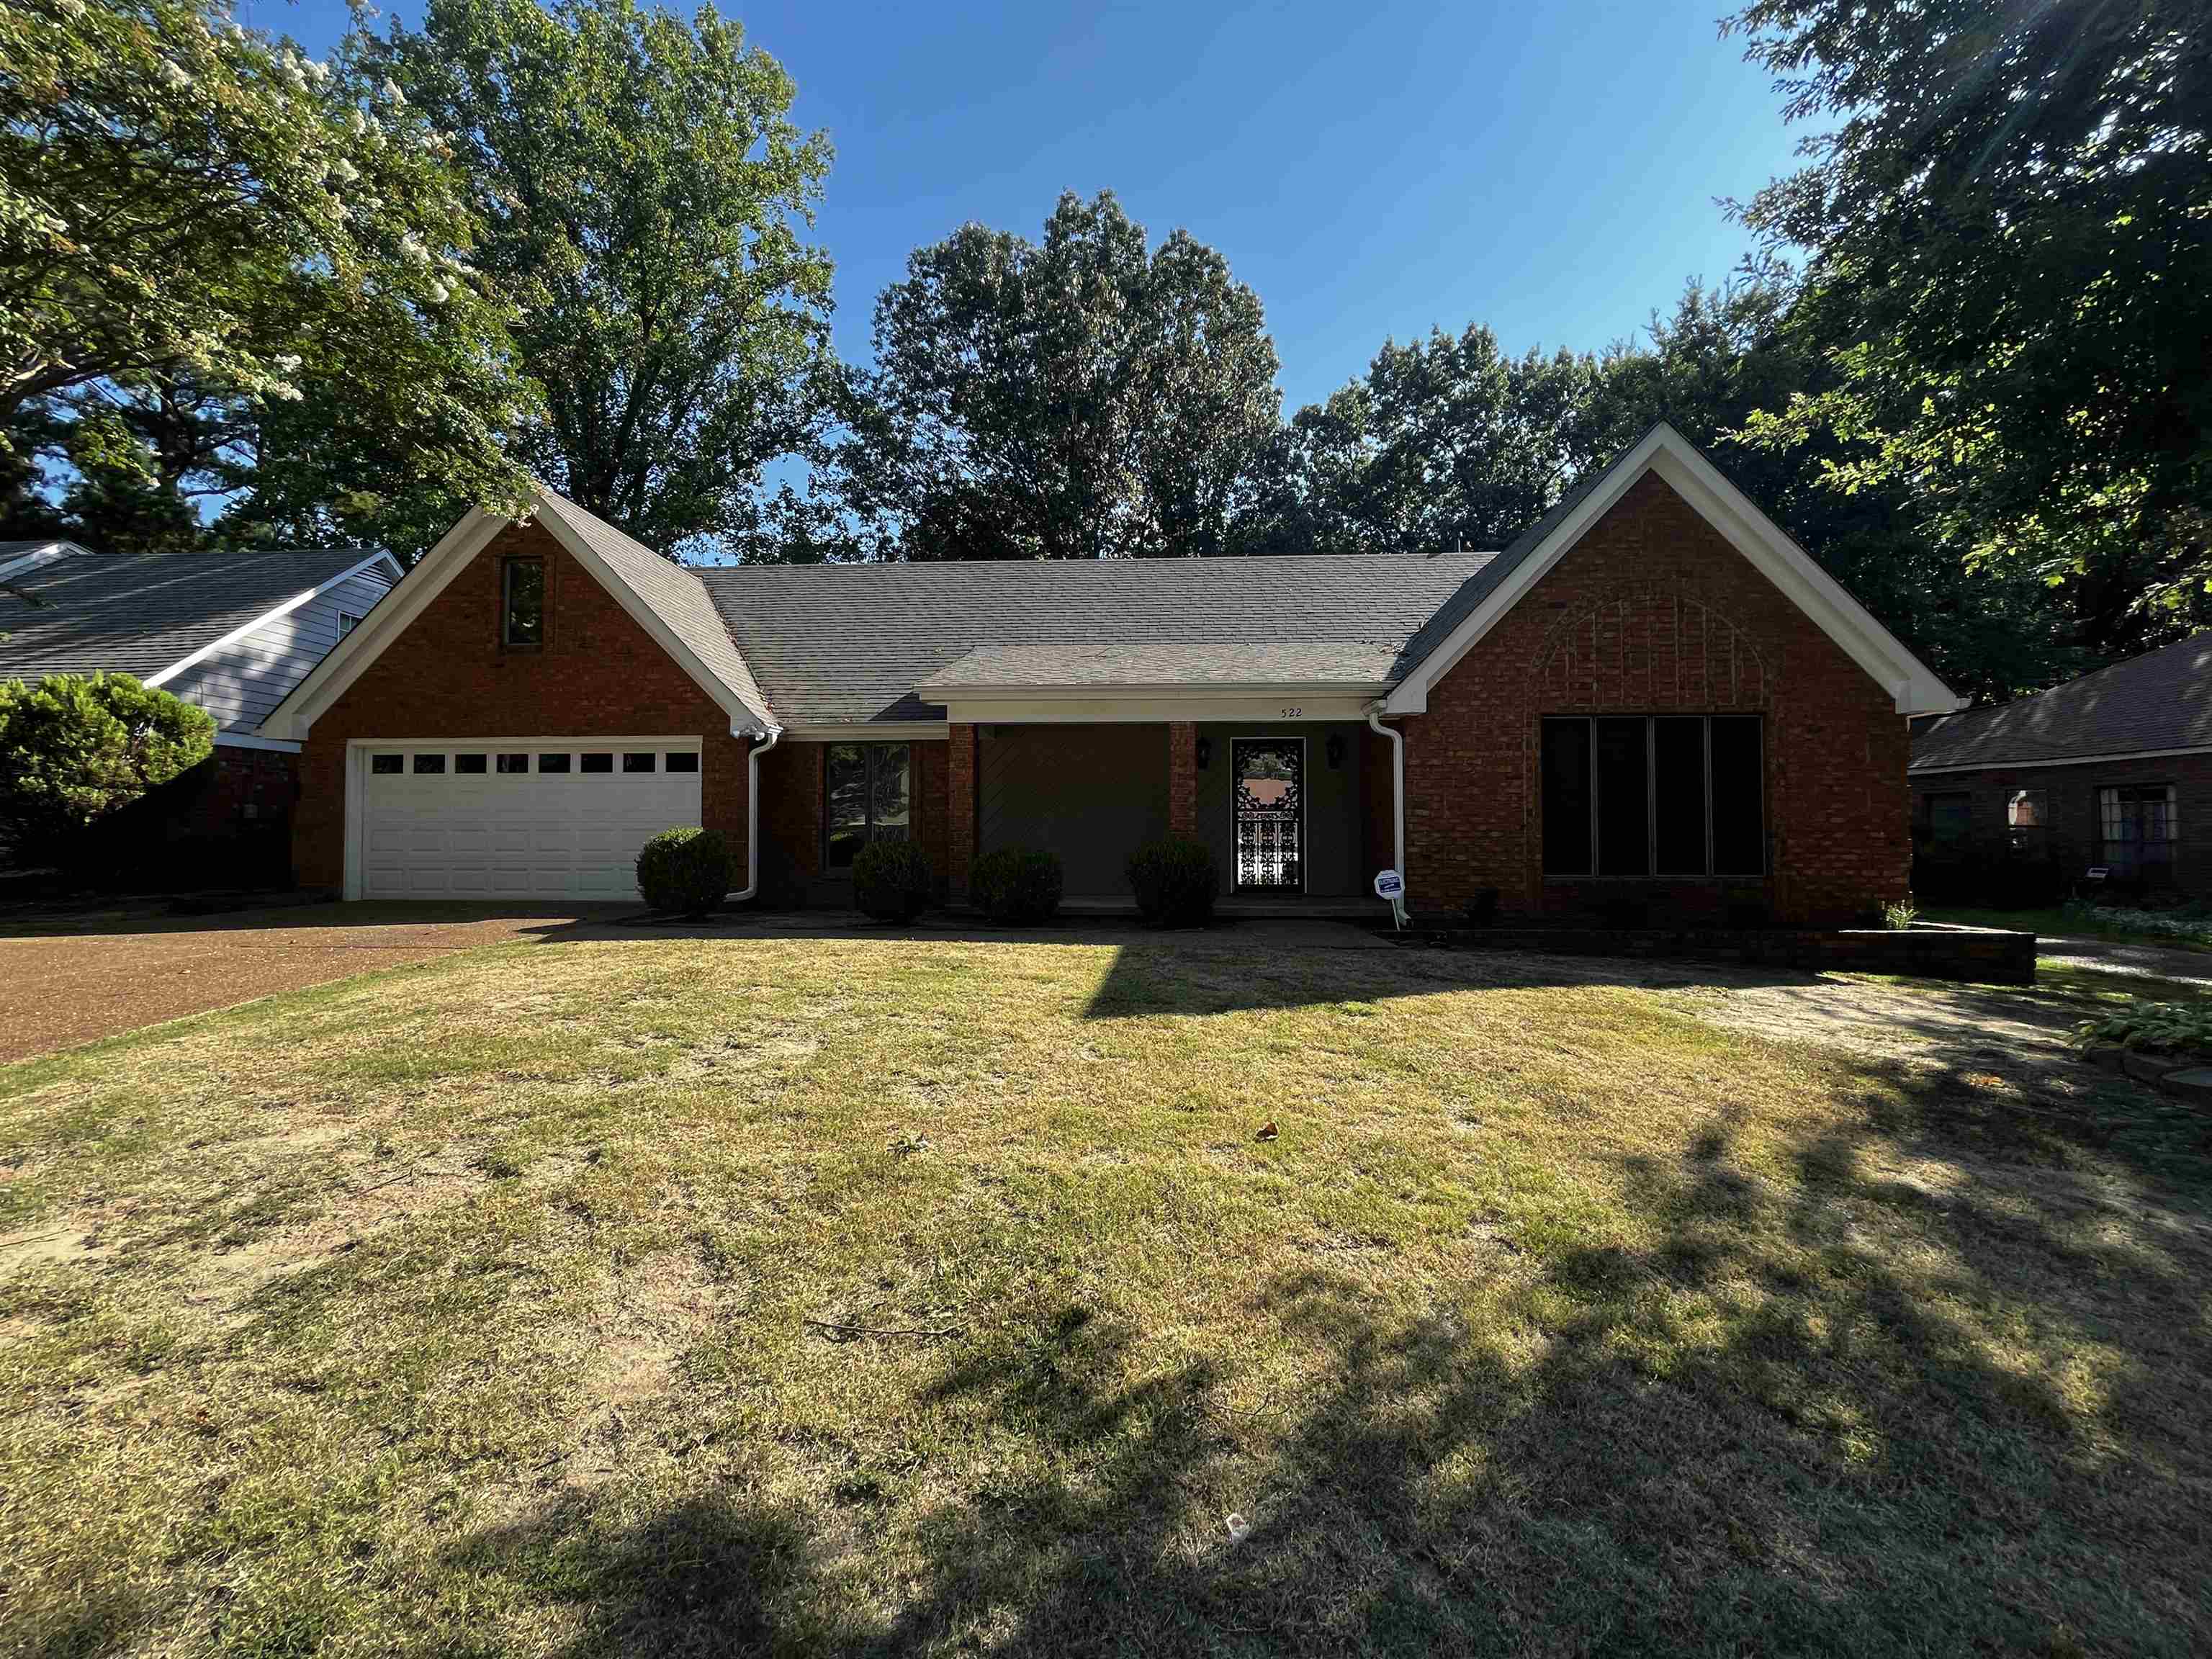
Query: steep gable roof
[(148, 614), (1490, 592), (2155, 703)]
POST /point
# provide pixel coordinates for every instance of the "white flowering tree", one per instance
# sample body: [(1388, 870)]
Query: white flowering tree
[(196, 216)]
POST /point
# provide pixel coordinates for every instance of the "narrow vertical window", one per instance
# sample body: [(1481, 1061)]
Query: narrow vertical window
[(1567, 797), (522, 610), (868, 795), (1623, 804), (1738, 797)]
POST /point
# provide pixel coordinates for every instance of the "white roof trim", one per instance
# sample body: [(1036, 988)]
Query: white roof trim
[(868, 731), (270, 616), (247, 740), (1770, 549), (44, 554), (344, 663), (2108, 759), (743, 719)]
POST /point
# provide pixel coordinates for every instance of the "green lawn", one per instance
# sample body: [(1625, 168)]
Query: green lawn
[(876, 1295)]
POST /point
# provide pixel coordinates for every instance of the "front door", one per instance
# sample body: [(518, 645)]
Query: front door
[(1271, 813)]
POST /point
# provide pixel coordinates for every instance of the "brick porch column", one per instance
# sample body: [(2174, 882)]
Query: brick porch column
[(959, 810), (1182, 778)]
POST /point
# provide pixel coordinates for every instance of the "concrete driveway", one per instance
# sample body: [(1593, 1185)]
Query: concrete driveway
[(70, 977)]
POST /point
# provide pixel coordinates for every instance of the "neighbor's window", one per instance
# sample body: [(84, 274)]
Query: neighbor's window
[(522, 608), (2028, 818), (866, 796), (1948, 818), (2136, 829), (1653, 795), (347, 622)]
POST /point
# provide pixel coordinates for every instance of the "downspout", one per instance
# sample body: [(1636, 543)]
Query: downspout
[(773, 734), (1397, 805)]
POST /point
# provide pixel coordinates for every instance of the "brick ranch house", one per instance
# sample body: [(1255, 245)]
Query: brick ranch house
[(1652, 704), (2111, 771)]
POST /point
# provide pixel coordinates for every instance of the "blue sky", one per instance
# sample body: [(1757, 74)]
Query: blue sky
[(1549, 169)]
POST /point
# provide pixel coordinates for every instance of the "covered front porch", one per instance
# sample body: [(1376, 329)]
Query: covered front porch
[(1289, 808)]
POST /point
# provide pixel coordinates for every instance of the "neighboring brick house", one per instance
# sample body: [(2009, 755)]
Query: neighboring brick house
[(2109, 772), (231, 632), (1652, 705)]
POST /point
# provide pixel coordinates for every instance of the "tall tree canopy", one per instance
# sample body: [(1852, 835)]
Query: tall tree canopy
[(1444, 442), (646, 201), (1083, 396), (2010, 226), (199, 227)]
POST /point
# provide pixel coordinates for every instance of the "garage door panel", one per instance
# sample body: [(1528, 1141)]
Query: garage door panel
[(573, 835)]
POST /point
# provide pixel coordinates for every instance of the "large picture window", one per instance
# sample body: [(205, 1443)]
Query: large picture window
[(2136, 829), (1653, 795), (868, 795)]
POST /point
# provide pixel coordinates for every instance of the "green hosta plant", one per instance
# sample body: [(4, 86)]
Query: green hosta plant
[(2165, 1028)]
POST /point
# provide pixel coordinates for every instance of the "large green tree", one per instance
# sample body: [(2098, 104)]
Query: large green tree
[(2009, 220), (1444, 442), (198, 225), (645, 200), (1085, 396)]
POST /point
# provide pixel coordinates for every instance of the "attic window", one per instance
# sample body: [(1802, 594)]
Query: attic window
[(522, 606), (347, 622)]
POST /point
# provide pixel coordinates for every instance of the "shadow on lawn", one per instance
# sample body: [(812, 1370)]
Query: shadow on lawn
[(1799, 1420)]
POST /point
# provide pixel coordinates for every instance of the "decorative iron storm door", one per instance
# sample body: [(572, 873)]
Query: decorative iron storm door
[(1271, 811)]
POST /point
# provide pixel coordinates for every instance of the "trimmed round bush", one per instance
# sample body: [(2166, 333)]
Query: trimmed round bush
[(684, 873), (1174, 881), (891, 880), (1018, 885)]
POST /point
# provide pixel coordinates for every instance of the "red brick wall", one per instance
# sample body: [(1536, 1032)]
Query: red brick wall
[(1182, 778), (1653, 612), (960, 810), (448, 676), (2069, 794)]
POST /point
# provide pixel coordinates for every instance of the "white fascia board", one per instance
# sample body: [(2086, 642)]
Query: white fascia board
[(1212, 691), (743, 721), (266, 617), (344, 664), (1277, 707), (868, 731), (1913, 685), (44, 554), (248, 740), (2113, 758)]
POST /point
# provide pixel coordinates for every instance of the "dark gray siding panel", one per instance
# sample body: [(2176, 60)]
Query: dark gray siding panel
[(1092, 794)]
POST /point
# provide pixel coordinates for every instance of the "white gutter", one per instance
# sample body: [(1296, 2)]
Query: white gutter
[(1397, 804), (775, 735)]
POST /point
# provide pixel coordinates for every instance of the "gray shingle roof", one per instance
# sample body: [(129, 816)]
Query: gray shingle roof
[(2161, 701), (140, 613), (674, 594), (1296, 662), (837, 643)]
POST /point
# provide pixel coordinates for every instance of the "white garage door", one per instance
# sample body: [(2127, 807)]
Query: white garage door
[(531, 818)]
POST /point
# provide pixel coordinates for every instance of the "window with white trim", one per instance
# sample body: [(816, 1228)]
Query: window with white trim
[(347, 622), (2137, 828), (867, 796), (2027, 819)]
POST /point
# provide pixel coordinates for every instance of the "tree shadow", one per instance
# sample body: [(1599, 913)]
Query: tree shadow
[(1859, 1411)]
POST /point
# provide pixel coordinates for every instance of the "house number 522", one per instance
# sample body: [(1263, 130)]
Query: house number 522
[(1290, 713)]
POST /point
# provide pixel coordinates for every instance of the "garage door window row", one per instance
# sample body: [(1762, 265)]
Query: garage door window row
[(465, 764)]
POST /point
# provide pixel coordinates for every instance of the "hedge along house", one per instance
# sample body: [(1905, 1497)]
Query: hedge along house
[(1653, 704)]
